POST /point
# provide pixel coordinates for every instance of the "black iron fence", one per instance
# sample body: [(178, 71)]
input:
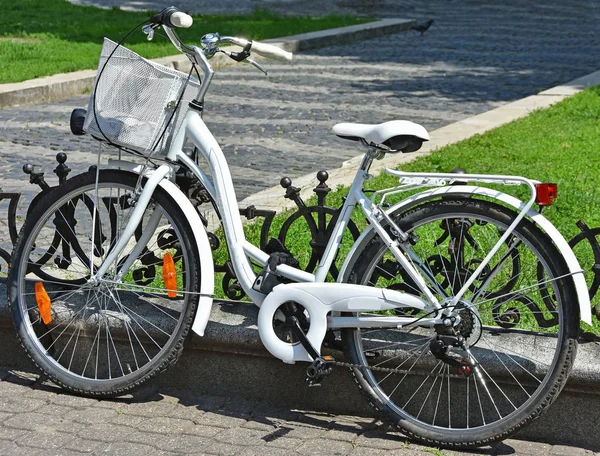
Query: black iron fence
[(319, 219)]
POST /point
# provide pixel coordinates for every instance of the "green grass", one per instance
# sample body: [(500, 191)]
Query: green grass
[(560, 144), (45, 37)]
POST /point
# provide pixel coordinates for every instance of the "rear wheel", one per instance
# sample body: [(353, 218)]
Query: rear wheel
[(512, 340), (106, 338)]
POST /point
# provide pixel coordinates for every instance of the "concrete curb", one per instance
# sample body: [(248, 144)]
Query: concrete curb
[(342, 35), (70, 84)]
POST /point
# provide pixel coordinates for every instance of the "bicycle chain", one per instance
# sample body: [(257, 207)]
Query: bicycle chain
[(387, 369)]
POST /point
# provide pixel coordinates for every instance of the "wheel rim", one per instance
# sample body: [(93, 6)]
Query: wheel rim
[(112, 332), (441, 399)]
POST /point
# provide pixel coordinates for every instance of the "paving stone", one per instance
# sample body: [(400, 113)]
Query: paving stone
[(165, 425), (91, 415), (281, 441), (302, 430), (262, 451), (47, 440), (12, 449), (377, 439), (130, 449), (281, 126), (367, 451), (84, 445), (186, 412), (241, 436), (266, 425), (38, 422), (20, 404), (149, 409), (69, 400), (200, 430), (563, 450), (174, 443), (43, 391), (12, 390), (201, 403), (340, 434), (8, 433), (220, 420), (105, 432), (222, 448), (241, 406), (525, 447), (324, 446)]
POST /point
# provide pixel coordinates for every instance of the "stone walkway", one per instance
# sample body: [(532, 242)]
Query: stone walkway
[(36, 418), (477, 56), (474, 58)]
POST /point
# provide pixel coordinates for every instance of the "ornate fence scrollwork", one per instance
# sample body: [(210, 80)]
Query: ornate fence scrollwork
[(319, 219)]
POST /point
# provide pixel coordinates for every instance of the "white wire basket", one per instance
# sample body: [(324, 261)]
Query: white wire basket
[(134, 100)]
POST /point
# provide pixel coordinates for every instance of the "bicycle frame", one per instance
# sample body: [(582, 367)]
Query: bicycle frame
[(243, 252)]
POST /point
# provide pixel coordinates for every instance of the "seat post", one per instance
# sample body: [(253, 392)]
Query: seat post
[(371, 154), (366, 162)]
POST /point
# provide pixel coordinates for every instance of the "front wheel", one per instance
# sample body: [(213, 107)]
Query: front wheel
[(103, 339), (511, 339)]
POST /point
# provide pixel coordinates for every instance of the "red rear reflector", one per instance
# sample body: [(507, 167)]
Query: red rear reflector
[(169, 275), (43, 302), (546, 194)]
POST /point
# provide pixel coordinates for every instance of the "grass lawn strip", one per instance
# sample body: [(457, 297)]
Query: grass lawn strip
[(45, 37), (559, 144)]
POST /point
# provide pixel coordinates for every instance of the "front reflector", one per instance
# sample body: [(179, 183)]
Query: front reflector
[(43, 302), (169, 275), (546, 194)]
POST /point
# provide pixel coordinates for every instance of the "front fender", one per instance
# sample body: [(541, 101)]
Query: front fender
[(466, 191), (207, 272)]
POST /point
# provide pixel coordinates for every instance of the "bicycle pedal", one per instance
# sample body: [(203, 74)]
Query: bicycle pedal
[(318, 370)]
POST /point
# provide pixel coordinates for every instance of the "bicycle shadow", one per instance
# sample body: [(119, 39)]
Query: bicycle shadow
[(260, 423)]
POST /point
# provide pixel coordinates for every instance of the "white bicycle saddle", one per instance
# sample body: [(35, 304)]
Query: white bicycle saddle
[(401, 135)]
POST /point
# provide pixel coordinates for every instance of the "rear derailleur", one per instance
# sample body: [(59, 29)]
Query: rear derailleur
[(440, 348)]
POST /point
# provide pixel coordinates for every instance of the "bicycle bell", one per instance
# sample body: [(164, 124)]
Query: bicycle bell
[(209, 43)]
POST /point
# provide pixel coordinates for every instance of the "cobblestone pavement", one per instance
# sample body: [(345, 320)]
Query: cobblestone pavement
[(475, 57), (36, 418)]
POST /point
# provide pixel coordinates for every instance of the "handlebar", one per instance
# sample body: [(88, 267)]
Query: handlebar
[(171, 17), (265, 50)]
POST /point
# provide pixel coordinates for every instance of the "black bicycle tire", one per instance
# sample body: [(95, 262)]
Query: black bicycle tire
[(557, 378), (168, 356)]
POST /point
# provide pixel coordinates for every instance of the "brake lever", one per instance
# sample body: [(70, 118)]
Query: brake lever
[(242, 57), (148, 30), (257, 65)]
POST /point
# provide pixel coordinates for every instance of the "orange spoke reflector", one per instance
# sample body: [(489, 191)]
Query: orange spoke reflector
[(43, 302), (169, 275)]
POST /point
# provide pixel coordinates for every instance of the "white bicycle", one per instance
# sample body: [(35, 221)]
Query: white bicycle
[(458, 306)]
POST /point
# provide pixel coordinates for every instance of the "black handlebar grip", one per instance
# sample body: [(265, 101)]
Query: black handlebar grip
[(164, 17)]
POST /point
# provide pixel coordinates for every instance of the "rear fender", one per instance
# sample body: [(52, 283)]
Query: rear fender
[(467, 190)]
